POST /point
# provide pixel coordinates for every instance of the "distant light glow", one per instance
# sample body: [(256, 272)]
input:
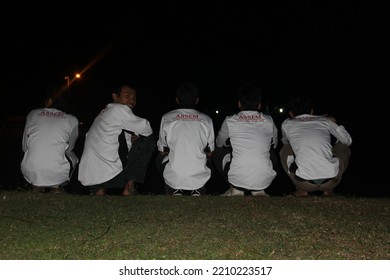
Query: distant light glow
[(216, 111), (281, 110)]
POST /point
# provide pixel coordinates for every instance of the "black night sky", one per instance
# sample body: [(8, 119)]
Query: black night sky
[(336, 51)]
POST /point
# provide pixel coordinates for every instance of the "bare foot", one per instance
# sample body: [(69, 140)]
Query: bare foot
[(300, 192), (128, 189), (101, 192), (329, 193)]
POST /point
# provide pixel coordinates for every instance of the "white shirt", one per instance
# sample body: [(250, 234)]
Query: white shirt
[(186, 132), (49, 136), (100, 160), (310, 139), (251, 134)]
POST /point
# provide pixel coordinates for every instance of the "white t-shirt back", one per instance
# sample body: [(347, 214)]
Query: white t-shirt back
[(186, 132), (100, 161), (251, 135), (49, 137)]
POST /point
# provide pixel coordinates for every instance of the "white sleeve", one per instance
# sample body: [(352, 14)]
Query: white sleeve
[(139, 126), (284, 136), (24, 139), (223, 134), (211, 140), (25, 133), (275, 138), (340, 133), (162, 140), (74, 135)]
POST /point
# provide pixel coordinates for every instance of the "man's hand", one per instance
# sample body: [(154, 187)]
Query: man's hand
[(134, 138), (333, 119)]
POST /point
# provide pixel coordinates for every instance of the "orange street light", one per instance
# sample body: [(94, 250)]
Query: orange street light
[(68, 81)]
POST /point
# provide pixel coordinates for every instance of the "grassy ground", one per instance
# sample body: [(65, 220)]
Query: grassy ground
[(82, 227)]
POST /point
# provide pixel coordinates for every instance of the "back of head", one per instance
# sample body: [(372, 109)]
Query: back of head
[(300, 105), (117, 88), (60, 98), (249, 95), (187, 95)]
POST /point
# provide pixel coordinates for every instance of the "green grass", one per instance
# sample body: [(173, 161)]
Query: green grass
[(81, 227)]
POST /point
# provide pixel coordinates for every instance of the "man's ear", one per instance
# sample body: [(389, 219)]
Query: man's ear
[(259, 106), (311, 111), (48, 102), (197, 100), (177, 100), (114, 96), (291, 114), (239, 104)]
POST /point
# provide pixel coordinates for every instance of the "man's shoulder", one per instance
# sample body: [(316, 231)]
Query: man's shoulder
[(73, 118), (118, 108), (117, 105), (35, 111)]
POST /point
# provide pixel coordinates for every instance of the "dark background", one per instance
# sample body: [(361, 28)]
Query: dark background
[(334, 51)]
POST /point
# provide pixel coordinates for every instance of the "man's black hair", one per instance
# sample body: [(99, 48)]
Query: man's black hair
[(117, 88), (187, 94), (249, 95), (61, 97), (300, 105)]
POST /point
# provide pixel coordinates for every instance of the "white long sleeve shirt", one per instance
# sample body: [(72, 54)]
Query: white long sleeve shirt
[(310, 139), (49, 137), (251, 135), (186, 132), (100, 160)]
